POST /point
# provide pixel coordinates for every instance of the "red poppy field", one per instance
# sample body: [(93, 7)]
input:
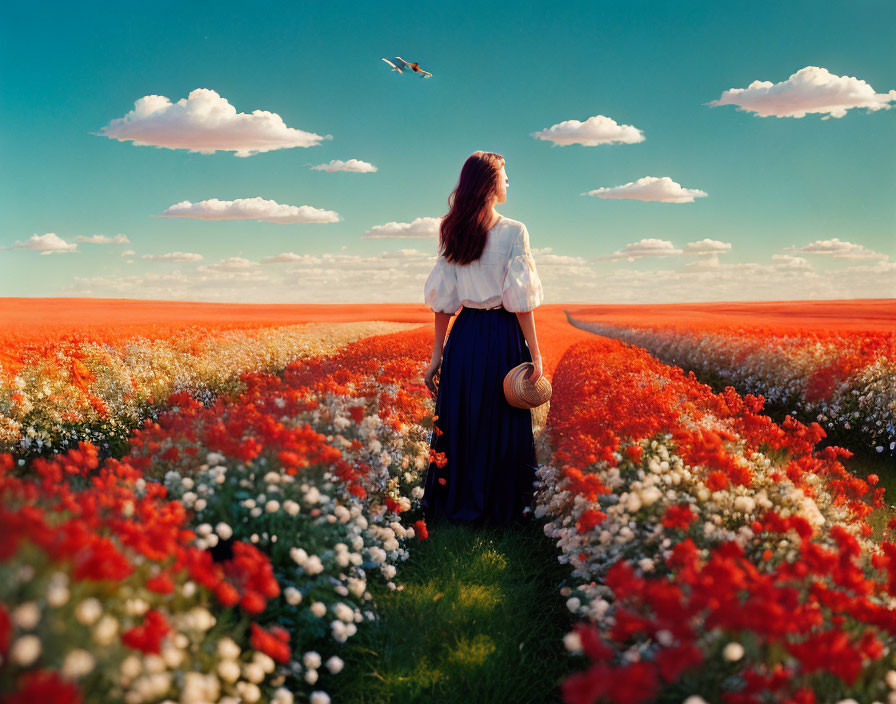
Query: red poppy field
[(200, 510)]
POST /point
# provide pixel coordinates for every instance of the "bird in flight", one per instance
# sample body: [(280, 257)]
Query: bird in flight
[(399, 64)]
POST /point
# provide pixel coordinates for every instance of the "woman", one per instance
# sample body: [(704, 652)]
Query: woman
[(485, 266)]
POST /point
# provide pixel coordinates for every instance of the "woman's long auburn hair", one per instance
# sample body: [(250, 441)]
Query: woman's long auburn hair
[(463, 231)]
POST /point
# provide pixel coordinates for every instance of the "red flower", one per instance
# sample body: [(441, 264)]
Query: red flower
[(589, 519), (161, 583), (634, 452), (420, 530), (148, 637), (5, 629), (252, 602), (673, 661), (272, 644), (43, 686), (227, 594), (679, 516)]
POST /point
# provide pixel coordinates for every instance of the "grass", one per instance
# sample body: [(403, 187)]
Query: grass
[(480, 619)]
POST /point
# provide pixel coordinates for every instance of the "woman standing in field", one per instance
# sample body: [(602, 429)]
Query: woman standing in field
[(485, 266)]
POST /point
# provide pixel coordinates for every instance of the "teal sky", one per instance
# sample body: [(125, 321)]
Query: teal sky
[(500, 73)]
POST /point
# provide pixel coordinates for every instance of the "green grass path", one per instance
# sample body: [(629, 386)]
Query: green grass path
[(480, 619)]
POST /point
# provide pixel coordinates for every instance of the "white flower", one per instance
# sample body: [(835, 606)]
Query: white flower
[(312, 496), (311, 676), (311, 659), (25, 650), (282, 696), (664, 637), (253, 672), (335, 664), (573, 604), (319, 609), (299, 555), (343, 612), (172, 654), (342, 513), (130, 667), (733, 651), (265, 661), (694, 699), (890, 679), (313, 565), (573, 642), (249, 691), (744, 504), (224, 531), (319, 697), (105, 631), (77, 664), (26, 615), (57, 590), (200, 618), (272, 506), (291, 507), (293, 596), (228, 649), (204, 529), (229, 671), (650, 495)]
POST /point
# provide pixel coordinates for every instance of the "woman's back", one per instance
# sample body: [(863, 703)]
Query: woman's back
[(504, 275)]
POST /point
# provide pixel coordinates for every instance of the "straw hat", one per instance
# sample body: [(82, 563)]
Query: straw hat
[(522, 393)]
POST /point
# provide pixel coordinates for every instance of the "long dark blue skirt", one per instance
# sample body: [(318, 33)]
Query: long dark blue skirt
[(489, 444)]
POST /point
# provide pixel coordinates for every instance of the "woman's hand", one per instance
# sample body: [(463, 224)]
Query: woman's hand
[(534, 375), (428, 378)]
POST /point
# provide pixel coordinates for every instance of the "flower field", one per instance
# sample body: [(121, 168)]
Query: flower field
[(226, 555), (838, 369), (70, 385), (228, 546), (714, 551)]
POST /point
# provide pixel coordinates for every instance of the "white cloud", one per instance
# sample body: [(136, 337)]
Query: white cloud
[(398, 277), (102, 239), (839, 249), (204, 122), (419, 227), (249, 209), (705, 263), (790, 262), (284, 258), (811, 89), (128, 252), (651, 188), (646, 247), (707, 246), (231, 264), (49, 243), (174, 257), (353, 165), (596, 130)]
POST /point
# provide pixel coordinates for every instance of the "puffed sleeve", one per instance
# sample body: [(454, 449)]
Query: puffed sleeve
[(522, 290), (440, 289)]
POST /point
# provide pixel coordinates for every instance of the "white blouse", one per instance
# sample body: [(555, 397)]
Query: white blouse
[(504, 275)]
